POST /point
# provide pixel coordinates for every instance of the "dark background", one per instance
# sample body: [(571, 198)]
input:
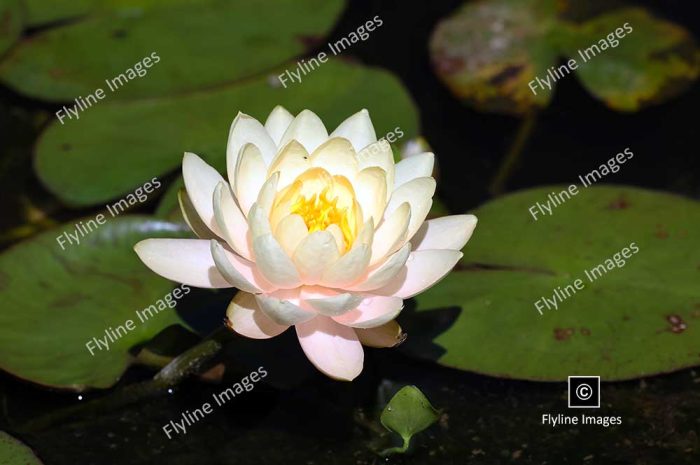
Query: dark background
[(485, 420)]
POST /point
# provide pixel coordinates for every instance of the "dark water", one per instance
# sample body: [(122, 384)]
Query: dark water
[(485, 420)]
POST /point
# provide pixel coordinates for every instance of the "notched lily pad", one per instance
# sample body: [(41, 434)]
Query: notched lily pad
[(639, 316), (409, 412), (84, 290), (489, 51), (14, 452)]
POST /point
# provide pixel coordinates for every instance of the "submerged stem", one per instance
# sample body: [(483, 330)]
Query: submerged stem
[(512, 159), (173, 373)]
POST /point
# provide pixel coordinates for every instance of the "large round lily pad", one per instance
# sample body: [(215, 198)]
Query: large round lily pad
[(118, 146), (639, 316), (14, 452), (84, 291), (157, 51)]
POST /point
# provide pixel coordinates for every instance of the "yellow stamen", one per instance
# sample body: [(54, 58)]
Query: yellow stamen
[(321, 210)]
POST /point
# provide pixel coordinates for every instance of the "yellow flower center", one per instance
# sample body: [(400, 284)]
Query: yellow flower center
[(324, 202), (321, 210)]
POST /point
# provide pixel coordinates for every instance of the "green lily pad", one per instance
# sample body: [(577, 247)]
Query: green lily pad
[(409, 412), (14, 452), (638, 316), (491, 52), (84, 290), (117, 146), (11, 20), (654, 62), (162, 51)]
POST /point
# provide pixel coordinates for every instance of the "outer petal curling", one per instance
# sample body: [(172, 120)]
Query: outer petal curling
[(232, 223), (419, 194), (373, 311), (283, 308), (247, 130), (448, 232), (417, 166), (238, 271), (200, 182), (423, 270), (388, 335)]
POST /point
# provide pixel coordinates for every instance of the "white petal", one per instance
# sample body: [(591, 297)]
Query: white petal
[(388, 335), (233, 225), (290, 231), (351, 266), (419, 194), (240, 272), (373, 311), (290, 162), (379, 154), (283, 308), (328, 301), (267, 193), (383, 273), (316, 253), (200, 182), (391, 234), (448, 232), (187, 261), (245, 317), (423, 269), (371, 193), (336, 156), (417, 166), (358, 129), (274, 264), (192, 218), (247, 130), (307, 129), (250, 176), (332, 348), (277, 122)]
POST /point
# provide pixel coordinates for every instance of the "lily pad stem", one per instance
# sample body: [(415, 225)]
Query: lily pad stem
[(512, 159)]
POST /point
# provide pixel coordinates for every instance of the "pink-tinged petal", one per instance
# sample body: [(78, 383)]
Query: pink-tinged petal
[(189, 213), (245, 317), (283, 307), (373, 311), (186, 261), (448, 232), (423, 270), (419, 194), (358, 129), (391, 234), (250, 175), (247, 130), (387, 335), (382, 274), (314, 255), (238, 271), (417, 166), (277, 123), (333, 348), (307, 129), (231, 221), (200, 182), (329, 302)]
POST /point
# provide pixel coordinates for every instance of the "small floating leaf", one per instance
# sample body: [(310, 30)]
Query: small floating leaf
[(409, 412), (83, 290), (14, 452), (638, 316)]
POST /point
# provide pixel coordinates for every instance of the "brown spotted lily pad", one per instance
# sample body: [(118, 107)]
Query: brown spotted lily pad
[(638, 316), (489, 51)]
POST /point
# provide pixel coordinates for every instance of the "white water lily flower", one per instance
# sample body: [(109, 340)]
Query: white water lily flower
[(320, 232)]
